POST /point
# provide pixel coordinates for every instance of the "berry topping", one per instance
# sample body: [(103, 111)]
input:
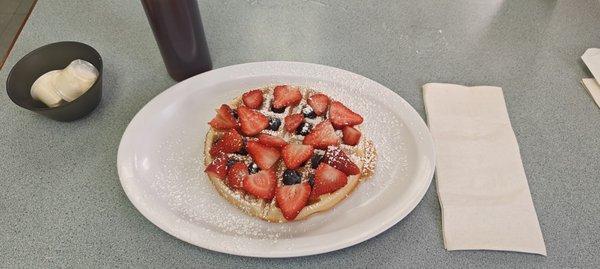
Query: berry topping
[(271, 141), (215, 149), (291, 122), (274, 124), (285, 95), (224, 119), (230, 142), (291, 177), (308, 112), (230, 162), (252, 121), (261, 184), (341, 116), (278, 110), (236, 174), (319, 102), (316, 160), (265, 157), (253, 99), (336, 157), (243, 150), (311, 180), (321, 136), (253, 168), (295, 155), (218, 167), (328, 179), (292, 198), (351, 136), (304, 129)]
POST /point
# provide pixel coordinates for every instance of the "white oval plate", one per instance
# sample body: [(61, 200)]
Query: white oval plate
[(161, 169)]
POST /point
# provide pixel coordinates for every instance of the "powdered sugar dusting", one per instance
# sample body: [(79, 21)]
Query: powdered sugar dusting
[(186, 191), (181, 181), (160, 163)]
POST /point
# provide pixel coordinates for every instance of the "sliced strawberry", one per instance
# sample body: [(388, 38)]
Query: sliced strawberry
[(253, 99), (327, 179), (216, 149), (291, 122), (230, 142), (265, 157), (236, 174), (218, 167), (294, 155), (252, 121), (319, 102), (336, 157), (341, 116), (292, 198), (271, 141), (224, 119), (321, 136), (351, 136), (261, 184), (285, 95)]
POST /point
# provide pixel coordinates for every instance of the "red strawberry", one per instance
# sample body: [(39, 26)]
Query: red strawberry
[(271, 141), (285, 95), (327, 179), (292, 198), (261, 184), (230, 142), (291, 122), (253, 98), (319, 102), (216, 149), (351, 136), (341, 116), (224, 119), (218, 167), (252, 121), (336, 157), (321, 136), (294, 155), (236, 174), (265, 157)]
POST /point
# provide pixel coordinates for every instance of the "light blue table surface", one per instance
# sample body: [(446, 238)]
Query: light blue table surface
[(61, 203)]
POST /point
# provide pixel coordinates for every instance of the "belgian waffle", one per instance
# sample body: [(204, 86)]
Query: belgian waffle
[(362, 154)]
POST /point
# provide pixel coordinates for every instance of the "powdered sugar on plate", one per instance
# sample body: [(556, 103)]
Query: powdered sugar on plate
[(161, 164)]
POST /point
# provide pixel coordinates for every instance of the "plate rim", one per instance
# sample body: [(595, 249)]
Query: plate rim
[(392, 220)]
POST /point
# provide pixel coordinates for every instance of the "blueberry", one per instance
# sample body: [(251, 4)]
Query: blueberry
[(252, 168), (291, 177), (315, 160), (277, 110), (230, 162), (234, 113), (274, 124), (311, 180), (243, 150), (304, 128), (308, 112)]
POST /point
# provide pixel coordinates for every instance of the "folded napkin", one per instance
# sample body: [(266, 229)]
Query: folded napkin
[(481, 183), (593, 88), (591, 58)]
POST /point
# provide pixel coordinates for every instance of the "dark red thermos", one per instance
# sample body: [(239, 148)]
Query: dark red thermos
[(180, 36)]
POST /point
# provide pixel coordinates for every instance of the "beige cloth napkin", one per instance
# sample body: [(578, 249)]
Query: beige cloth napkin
[(481, 183), (591, 58)]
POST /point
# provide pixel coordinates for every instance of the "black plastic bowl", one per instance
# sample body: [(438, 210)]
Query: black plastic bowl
[(47, 58)]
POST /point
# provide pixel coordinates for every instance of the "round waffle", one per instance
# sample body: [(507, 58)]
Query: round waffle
[(362, 154)]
